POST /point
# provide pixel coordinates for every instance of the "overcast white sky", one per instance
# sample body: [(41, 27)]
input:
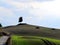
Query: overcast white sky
[(36, 12)]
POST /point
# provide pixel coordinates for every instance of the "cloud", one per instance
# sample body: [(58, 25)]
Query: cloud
[(6, 16), (5, 12), (23, 4), (32, 0), (39, 9), (45, 11)]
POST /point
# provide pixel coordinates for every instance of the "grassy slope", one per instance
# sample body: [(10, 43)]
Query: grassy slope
[(32, 40), (31, 30)]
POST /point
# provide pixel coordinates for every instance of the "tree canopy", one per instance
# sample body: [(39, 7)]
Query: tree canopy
[(20, 19)]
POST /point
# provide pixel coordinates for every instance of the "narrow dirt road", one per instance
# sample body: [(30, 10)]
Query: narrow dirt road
[(3, 40)]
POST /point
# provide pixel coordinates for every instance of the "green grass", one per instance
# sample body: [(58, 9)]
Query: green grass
[(31, 40), (57, 42)]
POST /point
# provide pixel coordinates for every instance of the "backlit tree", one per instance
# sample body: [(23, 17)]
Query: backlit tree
[(20, 19)]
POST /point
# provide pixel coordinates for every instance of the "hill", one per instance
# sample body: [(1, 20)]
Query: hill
[(26, 29)]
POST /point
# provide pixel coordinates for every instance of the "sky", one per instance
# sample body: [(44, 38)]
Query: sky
[(35, 12)]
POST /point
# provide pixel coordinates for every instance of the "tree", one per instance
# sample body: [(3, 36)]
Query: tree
[(0, 25), (20, 19)]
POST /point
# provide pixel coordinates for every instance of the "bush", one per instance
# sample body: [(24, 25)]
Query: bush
[(53, 29), (37, 27)]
